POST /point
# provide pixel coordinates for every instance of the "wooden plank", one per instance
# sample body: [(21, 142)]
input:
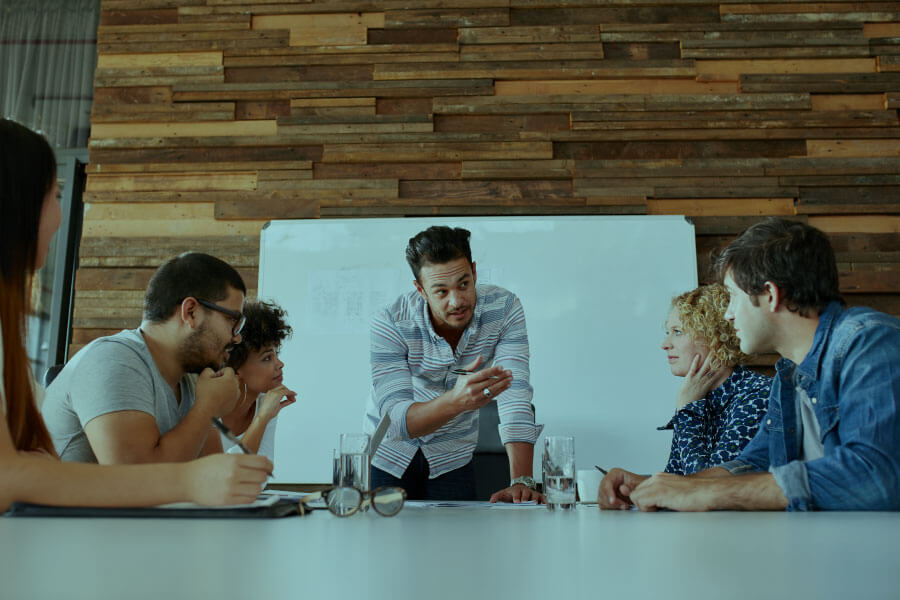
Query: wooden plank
[(888, 64), (113, 279), (517, 169), (197, 41), (721, 206), (834, 166), (185, 129), (496, 123), (332, 29), (531, 103), (845, 102), (668, 12), (538, 70), (206, 167), (188, 220), (881, 30), (349, 55), (238, 251), (334, 89), (437, 151), (403, 106), (446, 17), (133, 95), (209, 153), (265, 178), (860, 51), (857, 224), (827, 83), (158, 76), (678, 149), (781, 7), (673, 167), (850, 147), (732, 70), (299, 73), (300, 187), (882, 279), (248, 111), (499, 192), (287, 207), (432, 35), (345, 124), (869, 199), (542, 51), (842, 180), (611, 119), (333, 107), (196, 111), (159, 59), (812, 18), (613, 86), (406, 171), (643, 50), (331, 102), (171, 182), (530, 35), (696, 134), (139, 17), (667, 186), (239, 24)]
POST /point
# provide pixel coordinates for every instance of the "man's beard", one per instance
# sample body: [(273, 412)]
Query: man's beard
[(194, 353)]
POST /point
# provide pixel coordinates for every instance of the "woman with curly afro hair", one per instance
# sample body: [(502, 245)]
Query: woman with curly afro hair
[(259, 370)]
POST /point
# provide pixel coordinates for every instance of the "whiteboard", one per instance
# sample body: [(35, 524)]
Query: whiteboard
[(596, 291)]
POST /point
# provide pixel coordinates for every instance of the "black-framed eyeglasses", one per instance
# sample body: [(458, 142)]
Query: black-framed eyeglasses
[(387, 501), (238, 318)]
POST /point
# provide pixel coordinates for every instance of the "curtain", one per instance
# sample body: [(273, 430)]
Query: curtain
[(48, 52)]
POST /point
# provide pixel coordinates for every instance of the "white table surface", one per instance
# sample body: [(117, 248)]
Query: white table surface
[(457, 553)]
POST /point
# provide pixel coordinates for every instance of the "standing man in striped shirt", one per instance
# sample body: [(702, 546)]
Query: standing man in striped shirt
[(448, 324)]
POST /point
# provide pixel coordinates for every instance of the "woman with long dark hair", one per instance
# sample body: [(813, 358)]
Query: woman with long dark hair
[(29, 468)]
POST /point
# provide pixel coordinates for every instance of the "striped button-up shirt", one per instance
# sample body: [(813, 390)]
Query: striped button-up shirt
[(412, 363)]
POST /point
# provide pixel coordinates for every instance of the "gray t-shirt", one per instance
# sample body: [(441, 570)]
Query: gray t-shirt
[(110, 374)]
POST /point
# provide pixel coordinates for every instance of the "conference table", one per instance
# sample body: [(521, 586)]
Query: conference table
[(456, 552)]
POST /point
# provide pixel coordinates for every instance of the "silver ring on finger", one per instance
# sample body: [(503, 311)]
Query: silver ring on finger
[(487, 393)]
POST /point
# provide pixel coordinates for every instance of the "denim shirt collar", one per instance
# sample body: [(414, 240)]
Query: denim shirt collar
[(811, 364)]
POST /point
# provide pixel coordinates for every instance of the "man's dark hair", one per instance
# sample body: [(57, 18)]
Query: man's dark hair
[(190, 274), (794, 256), (437, 245), (266, 325)]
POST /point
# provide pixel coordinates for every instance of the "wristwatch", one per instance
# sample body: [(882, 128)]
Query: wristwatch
[(526, 480)]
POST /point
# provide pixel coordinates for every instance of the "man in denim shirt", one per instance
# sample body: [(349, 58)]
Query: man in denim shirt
[(831, 437)]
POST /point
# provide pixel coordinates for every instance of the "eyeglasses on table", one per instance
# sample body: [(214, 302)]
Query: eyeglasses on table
[(387, 501)]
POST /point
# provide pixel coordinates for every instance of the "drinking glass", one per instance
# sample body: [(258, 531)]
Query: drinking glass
[(354, 461), (559, 471)]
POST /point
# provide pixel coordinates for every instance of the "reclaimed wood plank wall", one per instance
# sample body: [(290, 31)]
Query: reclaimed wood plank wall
[(211, 117)]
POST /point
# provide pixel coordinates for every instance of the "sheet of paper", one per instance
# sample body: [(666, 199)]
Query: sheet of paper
[(472, 504), (262, 500)]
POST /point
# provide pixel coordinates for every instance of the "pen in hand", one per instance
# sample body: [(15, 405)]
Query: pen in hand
[(602, 470), (231, 437)]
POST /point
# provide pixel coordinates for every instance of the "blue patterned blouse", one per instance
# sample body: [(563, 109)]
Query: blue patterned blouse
[(715, 429)]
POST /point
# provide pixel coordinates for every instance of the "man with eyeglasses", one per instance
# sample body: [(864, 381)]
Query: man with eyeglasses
[(133, 397)]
